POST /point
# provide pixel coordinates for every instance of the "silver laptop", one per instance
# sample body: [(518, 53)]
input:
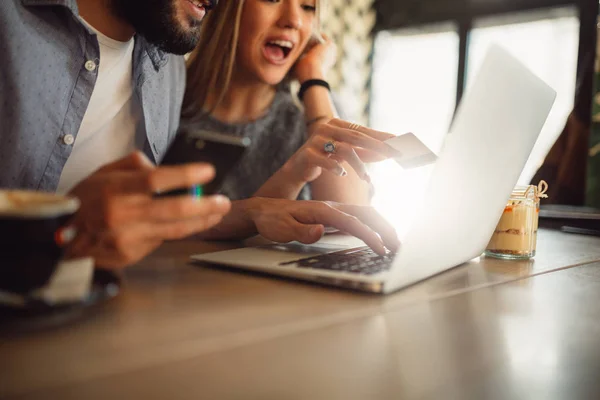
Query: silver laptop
[(492, 135)]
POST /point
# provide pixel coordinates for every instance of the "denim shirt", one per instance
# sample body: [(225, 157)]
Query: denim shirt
[(48, 60)]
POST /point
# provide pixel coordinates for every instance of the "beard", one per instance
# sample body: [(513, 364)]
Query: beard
[(157, 22)]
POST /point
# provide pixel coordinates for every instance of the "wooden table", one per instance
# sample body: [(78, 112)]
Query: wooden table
[(482, 330)]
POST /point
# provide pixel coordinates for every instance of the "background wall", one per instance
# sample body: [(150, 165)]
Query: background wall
[(349, 23)]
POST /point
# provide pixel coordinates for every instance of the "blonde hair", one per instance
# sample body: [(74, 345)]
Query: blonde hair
[(210, 66)]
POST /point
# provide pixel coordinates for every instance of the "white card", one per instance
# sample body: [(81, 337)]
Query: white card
[(412, 152)]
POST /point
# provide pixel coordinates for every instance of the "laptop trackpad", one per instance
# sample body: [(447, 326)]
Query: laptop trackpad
[(277, 253), (270, 254), (304, 249)]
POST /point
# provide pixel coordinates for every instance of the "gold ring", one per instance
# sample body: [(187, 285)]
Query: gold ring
[(354, 127)]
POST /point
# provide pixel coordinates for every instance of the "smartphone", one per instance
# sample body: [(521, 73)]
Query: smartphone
[(223, 151)]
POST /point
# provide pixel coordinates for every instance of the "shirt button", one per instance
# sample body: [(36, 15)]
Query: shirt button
[(68, 140), (90, 65)]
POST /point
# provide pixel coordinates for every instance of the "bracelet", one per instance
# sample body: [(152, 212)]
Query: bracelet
[(310, 83)]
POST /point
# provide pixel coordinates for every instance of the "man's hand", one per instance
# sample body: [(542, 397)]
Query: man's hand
[(120, 221), (284, 221)]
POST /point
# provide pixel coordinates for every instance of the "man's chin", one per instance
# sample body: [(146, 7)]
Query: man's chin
[(179, 49), (178, 42), (157, 21)]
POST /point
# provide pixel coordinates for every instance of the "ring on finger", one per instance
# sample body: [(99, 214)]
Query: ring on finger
[(330, 147), (354, 127)]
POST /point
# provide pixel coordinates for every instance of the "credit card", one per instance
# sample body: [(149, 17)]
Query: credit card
[(412, 153)]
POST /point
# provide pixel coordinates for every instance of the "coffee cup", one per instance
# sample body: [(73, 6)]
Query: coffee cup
[(34, 231)]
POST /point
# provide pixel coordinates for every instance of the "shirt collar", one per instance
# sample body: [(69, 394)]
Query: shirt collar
[(158, 57), (70, 4)]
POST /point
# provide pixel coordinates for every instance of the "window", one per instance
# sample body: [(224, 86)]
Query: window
[(414, 87), (414, 81), (413, 90), (547, 43)]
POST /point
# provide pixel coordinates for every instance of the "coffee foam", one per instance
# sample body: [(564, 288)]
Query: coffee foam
[(30, 204)]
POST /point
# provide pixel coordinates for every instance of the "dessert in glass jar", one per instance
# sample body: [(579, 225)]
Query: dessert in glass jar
[(515, 237)]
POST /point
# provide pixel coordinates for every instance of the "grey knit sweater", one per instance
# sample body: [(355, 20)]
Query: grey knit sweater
[(275, 137)]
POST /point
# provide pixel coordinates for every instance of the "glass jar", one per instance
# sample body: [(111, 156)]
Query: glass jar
[(515, 237)]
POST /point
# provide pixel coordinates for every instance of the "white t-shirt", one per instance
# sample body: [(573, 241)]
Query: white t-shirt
[(107, 132)]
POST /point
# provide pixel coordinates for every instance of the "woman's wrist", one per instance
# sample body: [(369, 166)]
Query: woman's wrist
[(237, 225), (318, 119), (283, 184), (314, 85), (308, 73), (288, 176), (249, 208)]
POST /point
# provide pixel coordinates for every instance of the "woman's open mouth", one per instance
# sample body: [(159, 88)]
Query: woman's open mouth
[(277, 51)]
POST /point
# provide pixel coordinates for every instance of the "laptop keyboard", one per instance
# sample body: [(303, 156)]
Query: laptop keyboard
[(363, 261)]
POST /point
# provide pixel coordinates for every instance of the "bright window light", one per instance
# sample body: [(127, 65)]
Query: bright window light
[(413, 90), (548, 44)]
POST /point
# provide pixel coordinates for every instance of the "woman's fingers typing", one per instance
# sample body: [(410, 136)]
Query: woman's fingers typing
[(322, 213), (376, 221)]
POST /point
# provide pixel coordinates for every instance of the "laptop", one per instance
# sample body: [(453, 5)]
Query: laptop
[(491, 137), (571, 219)]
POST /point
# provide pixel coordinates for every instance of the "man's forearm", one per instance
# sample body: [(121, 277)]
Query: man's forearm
[(237, 224)]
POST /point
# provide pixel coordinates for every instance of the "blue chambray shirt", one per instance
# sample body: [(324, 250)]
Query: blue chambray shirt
[(45, 89)]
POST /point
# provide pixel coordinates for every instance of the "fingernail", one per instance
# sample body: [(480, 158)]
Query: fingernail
[(385, 249), (393, 247), (220, 199), (202, 170), (315, 230)]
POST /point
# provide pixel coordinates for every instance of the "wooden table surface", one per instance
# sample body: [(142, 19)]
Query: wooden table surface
[(481, 330)]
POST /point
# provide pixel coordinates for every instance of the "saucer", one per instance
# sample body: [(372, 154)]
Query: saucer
[(34, 314)]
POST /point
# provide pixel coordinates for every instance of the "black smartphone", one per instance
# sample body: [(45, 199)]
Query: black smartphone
[(223, 151)]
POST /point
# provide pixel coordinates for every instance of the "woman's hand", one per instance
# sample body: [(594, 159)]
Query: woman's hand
[(351, 143), (316, 61), (283, 221)]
